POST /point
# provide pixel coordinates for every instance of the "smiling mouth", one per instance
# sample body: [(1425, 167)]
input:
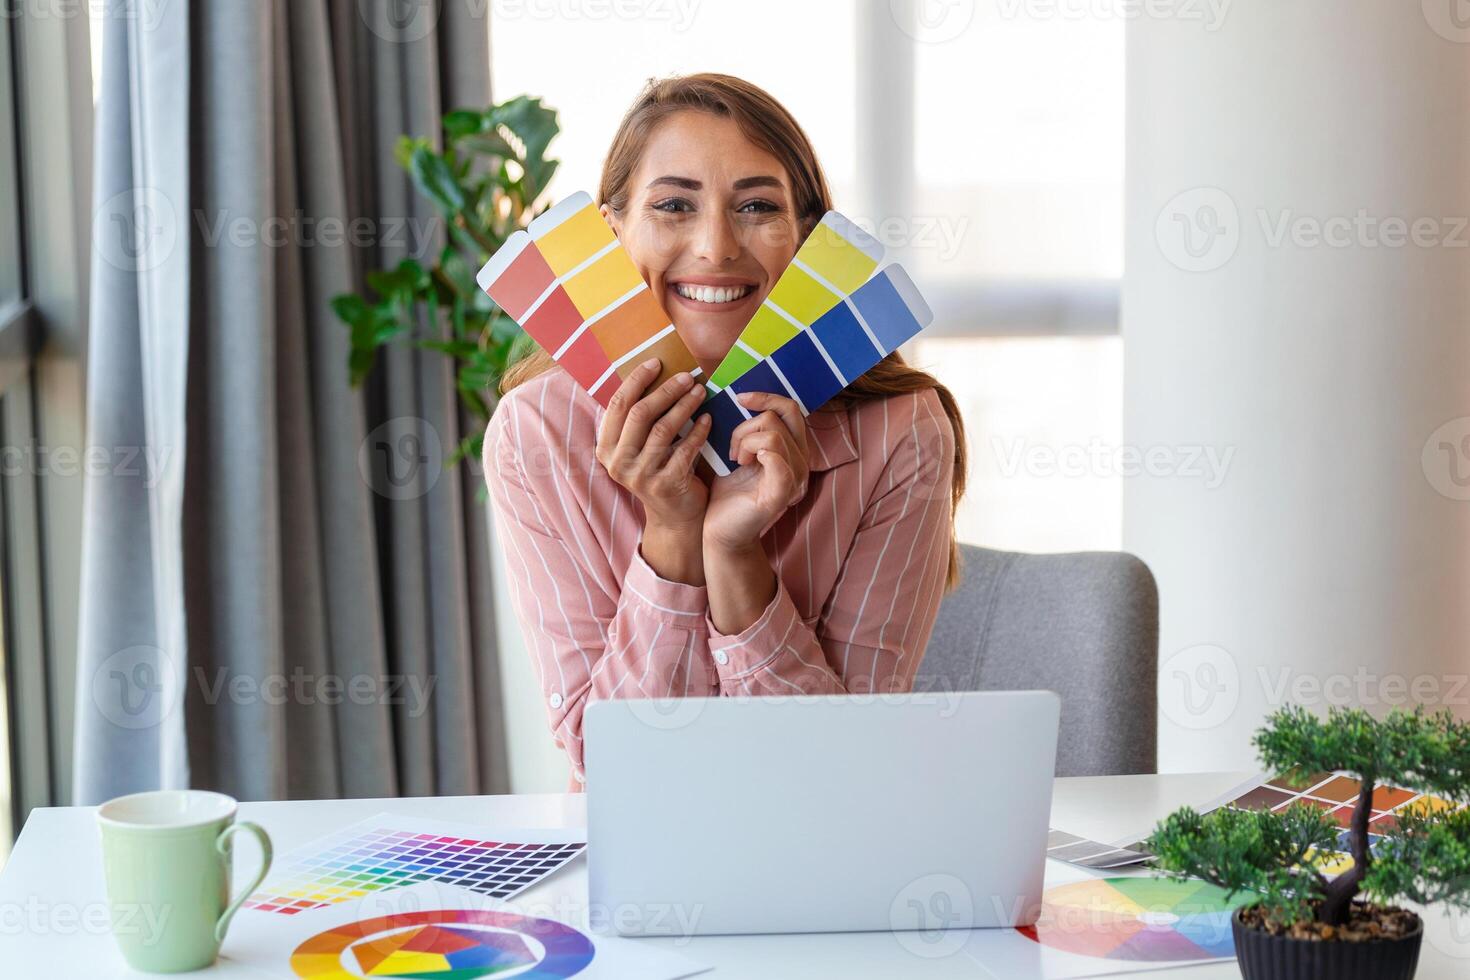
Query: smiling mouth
[(712, 295)]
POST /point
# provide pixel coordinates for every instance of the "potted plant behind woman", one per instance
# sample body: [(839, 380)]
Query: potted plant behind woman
[(1307, 925)]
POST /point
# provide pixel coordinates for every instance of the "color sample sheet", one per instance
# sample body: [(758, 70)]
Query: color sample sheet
[(439, 932), (1336, 793), (1103, 926), (388, 852), (836, 258), (573, 288), (818, 361), (1062, 846)]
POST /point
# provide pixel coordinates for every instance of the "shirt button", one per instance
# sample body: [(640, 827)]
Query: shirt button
[(556, 700), (721, 657)]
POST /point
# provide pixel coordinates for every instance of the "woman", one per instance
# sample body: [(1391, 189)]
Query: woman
[(818, 566)]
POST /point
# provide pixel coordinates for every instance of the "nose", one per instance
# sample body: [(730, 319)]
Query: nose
[(716, 241)]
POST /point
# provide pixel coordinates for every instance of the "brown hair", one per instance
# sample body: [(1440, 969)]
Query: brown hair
[(765, 122)]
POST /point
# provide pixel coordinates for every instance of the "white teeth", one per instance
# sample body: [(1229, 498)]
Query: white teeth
[(711, 294)]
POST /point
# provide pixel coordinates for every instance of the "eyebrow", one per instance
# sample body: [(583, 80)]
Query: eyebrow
[(689, 184)]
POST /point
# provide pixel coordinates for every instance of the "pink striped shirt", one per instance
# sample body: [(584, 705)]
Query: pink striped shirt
[(860, 562)]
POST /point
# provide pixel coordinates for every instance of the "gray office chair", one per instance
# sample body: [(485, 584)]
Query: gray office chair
[(1084, 625)]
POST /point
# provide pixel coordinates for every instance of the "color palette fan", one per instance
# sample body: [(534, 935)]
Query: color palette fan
[(573, 288), (836, 258), (387, 852), (1138, 920), (448, 944), (820, 360)]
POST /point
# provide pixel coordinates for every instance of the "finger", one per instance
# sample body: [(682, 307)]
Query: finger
[(756, 442), (667, 427), (776, 470), (622, 400), (648, 409), (788, 410), (764, 422), (686, 450)]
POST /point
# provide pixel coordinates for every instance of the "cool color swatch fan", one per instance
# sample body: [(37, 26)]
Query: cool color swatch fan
[(836, 311)]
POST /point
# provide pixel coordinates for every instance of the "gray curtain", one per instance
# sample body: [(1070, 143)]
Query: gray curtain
[(299, 603)]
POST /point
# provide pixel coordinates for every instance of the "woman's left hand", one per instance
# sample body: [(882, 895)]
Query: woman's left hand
[(772, 451)]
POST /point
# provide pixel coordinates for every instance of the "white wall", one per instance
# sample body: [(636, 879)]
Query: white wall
[(1334, 557)]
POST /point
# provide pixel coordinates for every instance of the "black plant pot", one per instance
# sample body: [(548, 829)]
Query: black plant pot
[(1263, 956)]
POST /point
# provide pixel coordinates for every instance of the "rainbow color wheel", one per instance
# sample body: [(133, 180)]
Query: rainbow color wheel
[(1138, 919), (445, 944)]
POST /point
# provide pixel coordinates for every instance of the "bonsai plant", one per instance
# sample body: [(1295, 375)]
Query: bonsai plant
[(1306, 923), (484, 184)]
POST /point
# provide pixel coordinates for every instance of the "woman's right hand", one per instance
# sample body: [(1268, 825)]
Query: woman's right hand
[(637, 445)]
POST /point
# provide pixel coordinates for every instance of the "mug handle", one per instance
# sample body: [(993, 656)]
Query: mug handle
[(220, 845)]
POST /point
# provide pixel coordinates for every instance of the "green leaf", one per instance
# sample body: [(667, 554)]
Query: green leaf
[(490, 144), (435, 180), (534, 124), (351, 309), (462, 122)]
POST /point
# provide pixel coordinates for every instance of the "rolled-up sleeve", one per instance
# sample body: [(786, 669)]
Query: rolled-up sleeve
[(593, 631), (872, 631)]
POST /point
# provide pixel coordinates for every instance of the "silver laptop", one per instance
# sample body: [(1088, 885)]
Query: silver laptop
[(818, 814)]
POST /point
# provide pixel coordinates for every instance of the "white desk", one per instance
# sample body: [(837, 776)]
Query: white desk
[(53, 912)]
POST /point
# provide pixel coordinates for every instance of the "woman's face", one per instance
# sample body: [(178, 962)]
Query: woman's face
[(709, 223)]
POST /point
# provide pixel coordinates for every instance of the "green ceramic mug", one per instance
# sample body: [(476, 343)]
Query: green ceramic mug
[(166, 856)]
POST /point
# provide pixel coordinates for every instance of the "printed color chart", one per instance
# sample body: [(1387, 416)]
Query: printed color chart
[(385, 853), (573, 288), (452, 944), (817, 362), (1138, 920), (836, 258)]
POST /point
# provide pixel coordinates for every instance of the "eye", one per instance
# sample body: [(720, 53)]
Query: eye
[(759, 206), (673, 205)]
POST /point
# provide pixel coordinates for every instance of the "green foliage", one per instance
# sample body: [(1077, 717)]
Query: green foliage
[(483, 184), (1249, 850), (1425, 859)]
